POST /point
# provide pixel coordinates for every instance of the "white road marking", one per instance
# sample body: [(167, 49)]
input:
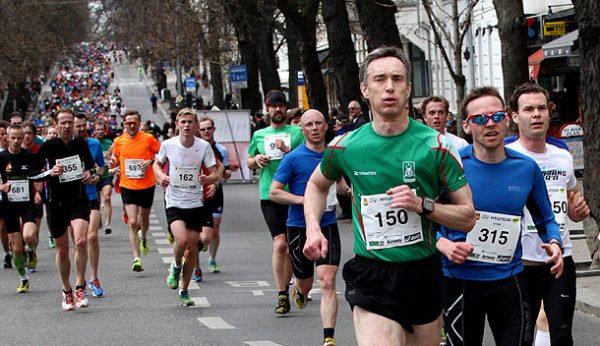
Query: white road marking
[(161, 241), (155, 228), (262, 343), (158, 234), (215, 323), (193, 286), (167, 260), (165, 250), (258, 293), (248, 284), (154, 222), (201, 302)]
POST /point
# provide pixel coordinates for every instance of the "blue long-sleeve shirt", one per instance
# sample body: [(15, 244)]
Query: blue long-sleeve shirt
[(505, 188)]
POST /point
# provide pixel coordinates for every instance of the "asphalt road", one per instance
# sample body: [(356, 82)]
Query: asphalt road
[(234, 307)]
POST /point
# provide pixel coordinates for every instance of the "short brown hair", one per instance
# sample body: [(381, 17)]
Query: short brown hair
[(526, 88), (186, 111), (29, 124), (207, 118), (435, 98), (4, 124), (293, 113), (477, 93), (65, 110), (14, 127), (132, 112), (384, 52)]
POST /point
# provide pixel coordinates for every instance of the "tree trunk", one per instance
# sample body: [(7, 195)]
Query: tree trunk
[(589, 45), (341, 47), (216, 76), (295, 65), (512, 28), (266, 53), (378, 22), (304, 20), (216, 82)]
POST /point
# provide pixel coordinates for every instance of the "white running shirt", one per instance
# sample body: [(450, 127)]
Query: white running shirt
[(183, 166), (557, 168)]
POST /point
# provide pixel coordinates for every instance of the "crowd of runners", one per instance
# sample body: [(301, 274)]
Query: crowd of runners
[(446, 233)]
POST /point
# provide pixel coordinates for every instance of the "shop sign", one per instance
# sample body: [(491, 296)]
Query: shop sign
[(555, 28)]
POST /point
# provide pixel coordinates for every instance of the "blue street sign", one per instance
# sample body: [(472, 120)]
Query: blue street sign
[(238, 76), (190, 84)]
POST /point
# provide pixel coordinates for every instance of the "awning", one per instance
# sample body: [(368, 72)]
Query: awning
[(561, 47), (534, 61)]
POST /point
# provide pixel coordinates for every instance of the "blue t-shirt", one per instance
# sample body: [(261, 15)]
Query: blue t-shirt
[(295, 171), (96, 152), (503, 188)]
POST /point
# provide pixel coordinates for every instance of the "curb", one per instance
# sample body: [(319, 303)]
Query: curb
[(587, 301)]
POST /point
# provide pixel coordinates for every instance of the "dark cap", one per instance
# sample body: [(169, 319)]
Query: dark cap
[(276, 98)]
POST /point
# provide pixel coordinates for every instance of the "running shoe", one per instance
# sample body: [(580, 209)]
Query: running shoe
[(329, 342), (144, 249), (137, 265), (81, 300), (170, 236), (299, 298), (185, 300), (213, 266), (309, 297), (8, 260), (107, 230), (94, 285), (23, 287), (197, 275), (173, 278), (67, 302), (283, 304), (31, 261), (51, 243)]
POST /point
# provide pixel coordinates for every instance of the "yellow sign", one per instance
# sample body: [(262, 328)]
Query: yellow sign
[(555, 28), (302, 96)]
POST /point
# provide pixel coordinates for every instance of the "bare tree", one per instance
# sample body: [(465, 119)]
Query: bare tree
[(378, 22), (341, 48), (588, 19), (512, 29), (302, 17), (449, 31)]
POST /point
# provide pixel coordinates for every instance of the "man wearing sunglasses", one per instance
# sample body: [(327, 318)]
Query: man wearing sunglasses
[(207, 132), (397, 167), (530, 105), (435, 114), (134, 153), (483, 270), (267, 148)]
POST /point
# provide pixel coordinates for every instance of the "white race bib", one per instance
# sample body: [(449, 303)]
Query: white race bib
[(558, 200), (331, 199), (387, 227), (271, 151), (184, 177), (73, 169), (133, 169), (494, 237), (19, 191)]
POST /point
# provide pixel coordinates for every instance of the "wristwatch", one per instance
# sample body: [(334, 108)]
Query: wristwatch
[(554, 241), (427, 204)]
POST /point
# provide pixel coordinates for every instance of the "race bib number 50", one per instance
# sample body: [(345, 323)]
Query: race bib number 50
[(72, 168), (494, 237), (387, 227)]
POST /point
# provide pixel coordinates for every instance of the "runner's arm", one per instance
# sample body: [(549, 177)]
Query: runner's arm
[(315, 198), (212, 178), (279, 195), (161, 177), (577, 206)]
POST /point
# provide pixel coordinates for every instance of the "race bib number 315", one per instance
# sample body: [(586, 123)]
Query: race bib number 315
[(387, 227), (494, 237)]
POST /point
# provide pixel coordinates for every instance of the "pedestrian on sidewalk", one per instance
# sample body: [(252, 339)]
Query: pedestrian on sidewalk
[(140, 72), (154, 101)]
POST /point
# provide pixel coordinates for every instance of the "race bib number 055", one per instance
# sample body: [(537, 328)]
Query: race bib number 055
[(494, 237), (73, 169), (387, 227)]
